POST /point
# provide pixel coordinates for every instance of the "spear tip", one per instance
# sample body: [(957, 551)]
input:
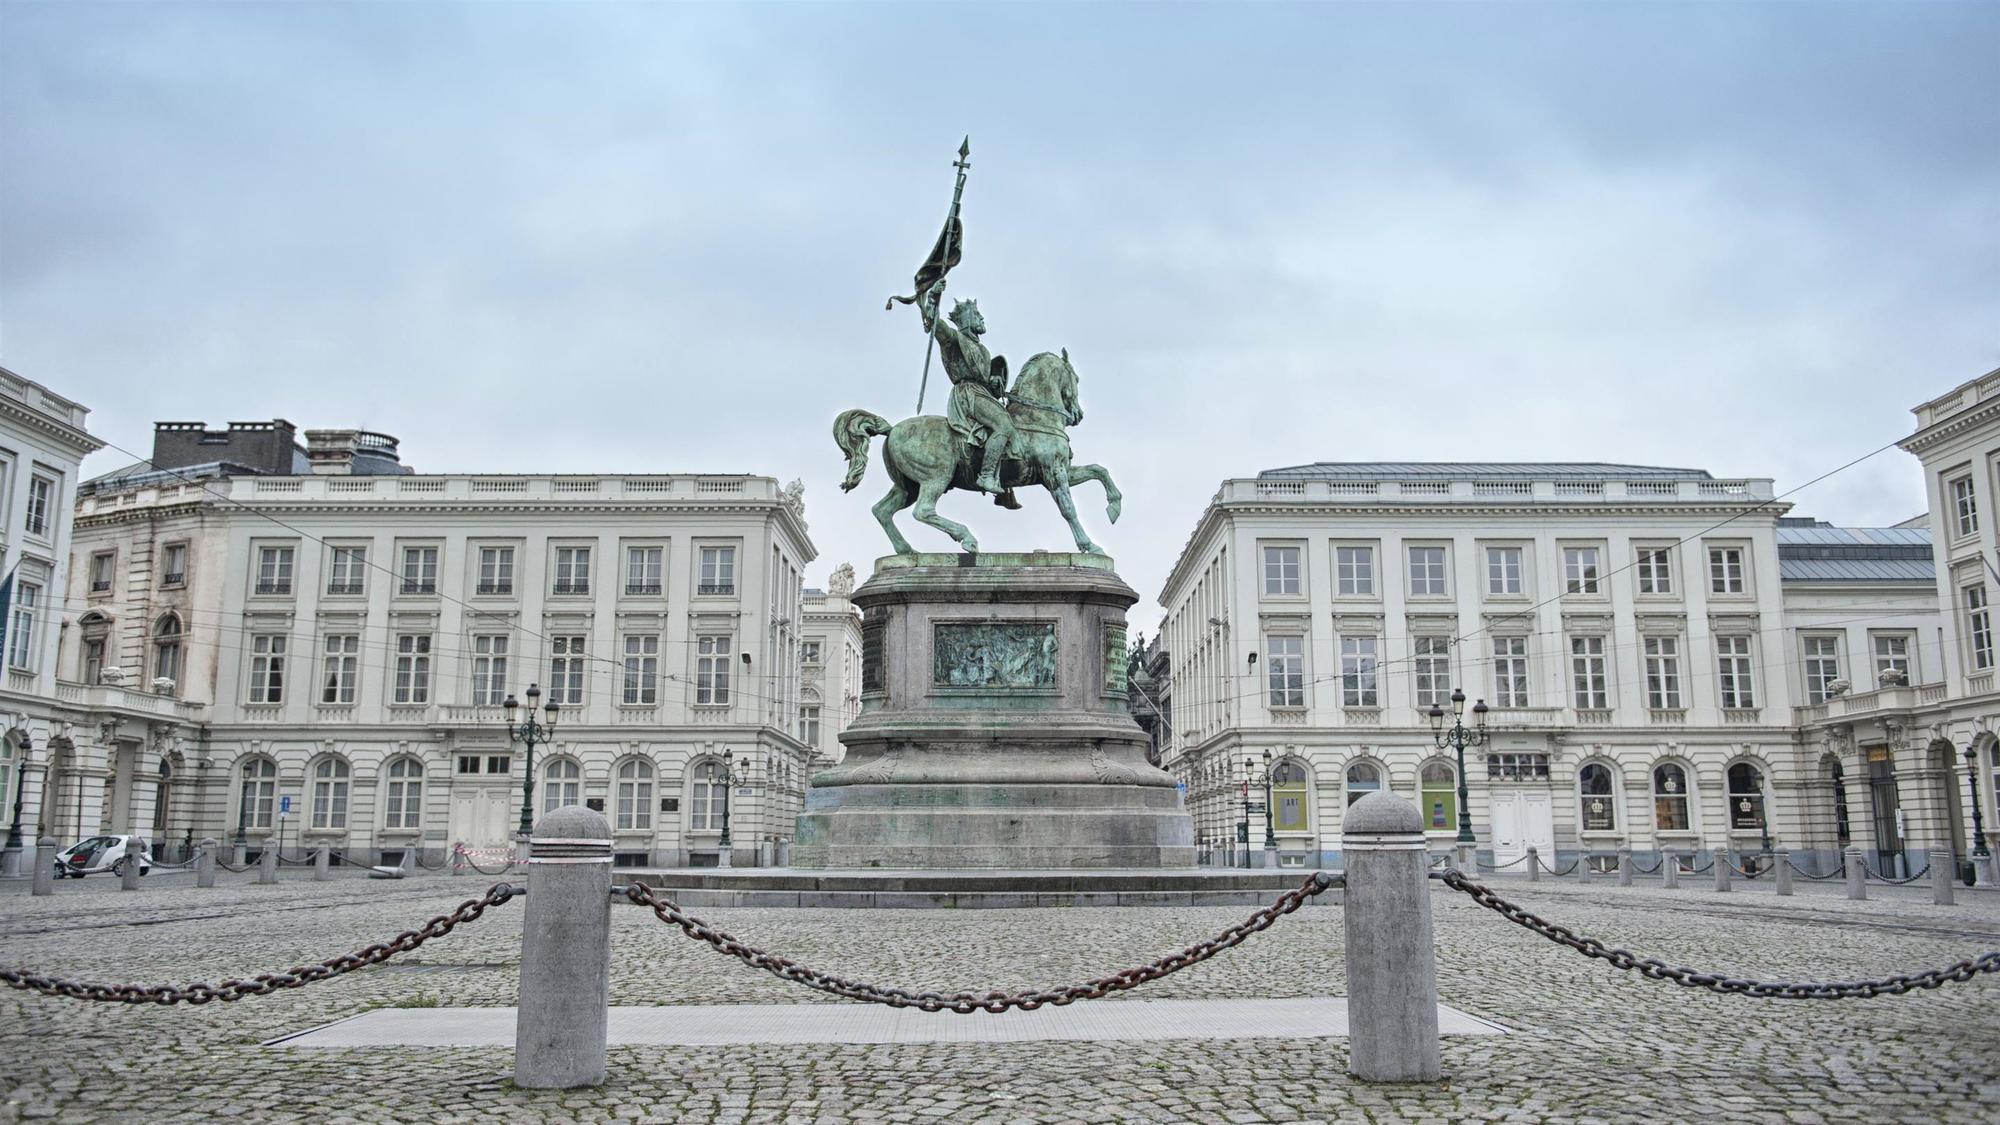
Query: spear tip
[(965, 147)]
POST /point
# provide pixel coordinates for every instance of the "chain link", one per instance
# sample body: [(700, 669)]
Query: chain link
[(1657, 969), (965, 1003), (263, 983)]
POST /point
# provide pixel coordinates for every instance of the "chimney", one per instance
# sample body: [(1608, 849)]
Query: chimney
[(331, 452), (262, 447)]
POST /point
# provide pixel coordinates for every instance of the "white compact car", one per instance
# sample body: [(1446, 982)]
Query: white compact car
[(103, 853)]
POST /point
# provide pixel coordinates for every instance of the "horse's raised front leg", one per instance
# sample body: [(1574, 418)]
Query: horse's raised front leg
[(899, 497), (927, 498), (1114, 499), (1059, 488)]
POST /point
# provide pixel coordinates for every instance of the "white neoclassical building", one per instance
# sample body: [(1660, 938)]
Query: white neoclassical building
[(1626, 625), (343, 633), (829, 667)]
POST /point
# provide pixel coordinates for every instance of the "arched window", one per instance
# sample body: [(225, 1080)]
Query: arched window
[(258, 794), (404, 799), (329, 794), (1437, 786), (1746, 797), (561, 784), (635, 795), (1363, 778), (1289, 787), (1597, 790), (1838, 777), (705, 797), (1670, 798), (7, 768), (167, 650)]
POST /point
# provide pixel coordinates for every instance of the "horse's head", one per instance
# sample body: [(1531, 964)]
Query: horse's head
[(1047, 380), (1069, 390)]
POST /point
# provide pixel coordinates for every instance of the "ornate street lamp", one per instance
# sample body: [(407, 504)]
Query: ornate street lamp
[(1971, 776), (1249, 769), (1458, 738), (729, 779), (532, 733), (21, 788)]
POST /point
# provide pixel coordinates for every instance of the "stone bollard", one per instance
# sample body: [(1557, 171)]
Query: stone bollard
[(1467, 858), (458, 859), (267, 863), (1583, 867), (1943, 868), (1269, 857), (10, 863), (1857, 874), (322, 863), (1781, 860), (1392, 1015), (1624, 865), (204, 863), (1534, 865), (559, 1034), (784, 857), (1670, 870), (128, 871), (1721, 866), (242, 855), (1986, 870), (725, 856), (45, 866)]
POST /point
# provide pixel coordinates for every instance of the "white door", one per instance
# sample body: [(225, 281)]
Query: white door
[(479, 817), (1508, 845), (1523, 818)]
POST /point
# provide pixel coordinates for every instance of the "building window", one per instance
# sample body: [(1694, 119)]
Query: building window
[(23, 632), (711, 669), (173, 565), (809, 725), (258, 794), (1431, 659), (1363, 778), (1656, 570), (1517, 766), (500, 763), (642, 669), (1510, 671), (1354, 571), (267, 668), (1288, 797), (1964, 507), (1503, 570), (329, 795), (346, 572), (420, 570), (1586, 662), (1286, 673), (1732, 665), (413, 668), (705, 798), (1357, 673), (468, 763), (1822, 655), (1725, 570), (93, 660), (101, 566), (1892, 654), (1580, 570), (496, 570), (1600, 805), (404, 798), (274, 570), (635, 796), (1281, 571), (1979, 627), (809, 652), (1427, 572), (572, 570), (718, 570), (41, 495), (566, 669), (1437, 796), (489, 669), (1663, 673), (642, 570), (1670, 798), (561, 783), (1746, 797), (341, 665)]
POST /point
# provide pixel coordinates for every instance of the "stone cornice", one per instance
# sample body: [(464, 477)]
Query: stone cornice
[(71, 438), (1937, 433)]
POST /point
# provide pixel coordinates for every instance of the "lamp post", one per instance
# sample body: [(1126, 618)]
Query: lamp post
[(1979, 850), (728, 779), (531, 732), (21, 789), (1249, 767), (1458, 738)]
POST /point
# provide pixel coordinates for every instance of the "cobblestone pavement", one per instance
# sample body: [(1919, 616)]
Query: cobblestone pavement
[(1590, 1044)]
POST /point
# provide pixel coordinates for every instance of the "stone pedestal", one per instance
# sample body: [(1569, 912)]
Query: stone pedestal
[(993, 730)]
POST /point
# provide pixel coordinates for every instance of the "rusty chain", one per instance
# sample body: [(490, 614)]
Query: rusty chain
[(1657, 969), (263, 983), (965, 1003)]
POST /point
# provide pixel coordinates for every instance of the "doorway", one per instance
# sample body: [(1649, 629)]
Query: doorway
[(1523, 818), (1887, 811)]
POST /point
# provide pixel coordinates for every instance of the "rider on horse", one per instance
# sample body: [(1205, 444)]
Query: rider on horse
[(978, 379)]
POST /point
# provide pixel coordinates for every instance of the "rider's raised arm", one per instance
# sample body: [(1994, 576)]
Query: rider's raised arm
[(935, 325)]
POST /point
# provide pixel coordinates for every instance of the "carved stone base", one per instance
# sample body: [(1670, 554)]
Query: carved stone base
[(994, 731)]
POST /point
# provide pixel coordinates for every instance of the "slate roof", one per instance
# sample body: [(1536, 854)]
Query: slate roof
[(1811, 551), (1479, 470)]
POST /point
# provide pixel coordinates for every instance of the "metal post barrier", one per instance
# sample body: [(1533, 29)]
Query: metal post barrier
[(128, 874), (1857, 874), (1624, 865), (1783, 859), (1943, 867), (204, 863), (1721, 869), (267, 863), (45, 866), (1670, 870), (559, 1034), (1534, 865), (1392, 1016), (322, 863)]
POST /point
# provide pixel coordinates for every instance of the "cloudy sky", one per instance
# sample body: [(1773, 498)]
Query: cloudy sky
[(650, 238)]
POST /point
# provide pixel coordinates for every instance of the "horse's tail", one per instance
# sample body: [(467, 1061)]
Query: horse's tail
[(851, 431)]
